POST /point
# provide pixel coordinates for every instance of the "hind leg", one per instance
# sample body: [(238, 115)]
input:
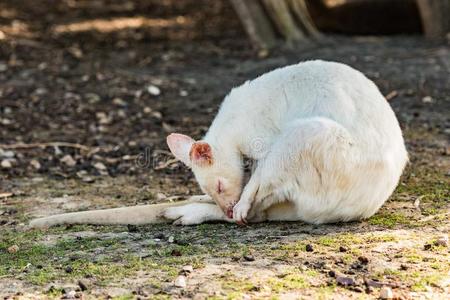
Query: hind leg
[(310, 155)]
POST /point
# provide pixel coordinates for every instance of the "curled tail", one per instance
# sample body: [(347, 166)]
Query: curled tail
[(132, 215)]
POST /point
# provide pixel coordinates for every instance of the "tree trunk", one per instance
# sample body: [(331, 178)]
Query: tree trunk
[(435, 16), (279, 12), (255, 23), (269, 21), (300, 9)]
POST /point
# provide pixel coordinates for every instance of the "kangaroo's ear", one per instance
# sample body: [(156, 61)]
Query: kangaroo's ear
[(180, 145), (201, 154)]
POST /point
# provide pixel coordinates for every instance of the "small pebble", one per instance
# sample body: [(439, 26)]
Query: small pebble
[(100, 166), (303, 268), (3, 67), (342, 249), (442, 241), (180, 281), (70, 295), (157, 115), (249, 257), (427, 99), (363, 260), (35, 164), (13, 249), (309, 248), (7, 153), (88, 179), (6, 164), (68, 160), (345, 281), (386, 293), (84, 286), (119, 102), (153, 90), (57, 150), (188, 269)]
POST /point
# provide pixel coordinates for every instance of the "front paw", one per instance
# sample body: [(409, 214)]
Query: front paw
[(181, 215), (240, 212)]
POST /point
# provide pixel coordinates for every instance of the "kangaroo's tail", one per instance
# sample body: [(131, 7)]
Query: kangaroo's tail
[(132, 215)]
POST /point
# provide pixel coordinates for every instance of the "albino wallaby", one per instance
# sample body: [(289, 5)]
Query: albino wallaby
[(327, 145)]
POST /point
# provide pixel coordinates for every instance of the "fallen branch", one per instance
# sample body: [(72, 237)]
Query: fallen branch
[(45, 145)]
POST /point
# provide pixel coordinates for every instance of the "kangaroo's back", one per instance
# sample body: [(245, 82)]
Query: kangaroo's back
[(265, 105)]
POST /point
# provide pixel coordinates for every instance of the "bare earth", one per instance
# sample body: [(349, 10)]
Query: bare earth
[(98, 85)]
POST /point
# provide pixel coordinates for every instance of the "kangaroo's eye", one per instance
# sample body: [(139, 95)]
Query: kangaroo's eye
[(219, 187)]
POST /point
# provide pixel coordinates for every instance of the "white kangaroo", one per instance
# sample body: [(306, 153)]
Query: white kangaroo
[(326, 143)]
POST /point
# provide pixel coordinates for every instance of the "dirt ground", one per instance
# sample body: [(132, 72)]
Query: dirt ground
[(90, 89)]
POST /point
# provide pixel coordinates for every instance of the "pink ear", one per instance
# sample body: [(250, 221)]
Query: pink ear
[(201, 153), (180, 145)]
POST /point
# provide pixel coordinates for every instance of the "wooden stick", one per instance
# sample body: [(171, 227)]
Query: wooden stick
[(45, 145)]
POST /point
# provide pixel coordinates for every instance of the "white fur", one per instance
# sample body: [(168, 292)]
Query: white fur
[(328, 148), (324, 137)]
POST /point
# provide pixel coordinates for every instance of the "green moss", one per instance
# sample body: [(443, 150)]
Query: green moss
[(236, 286), (45, 263), (427, 280), (413, 258), (327, 241), (288, 282), (428, 184), (125, 297), (326, 292), (389, 220), (391, 272)]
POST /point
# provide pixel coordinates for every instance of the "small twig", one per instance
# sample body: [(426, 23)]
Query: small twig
[(113, 160), (166, 164), (45, 145), (391, 95)]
